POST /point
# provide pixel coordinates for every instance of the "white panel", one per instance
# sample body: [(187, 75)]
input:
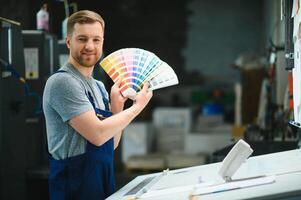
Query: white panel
[(137, 139), (31, 56)]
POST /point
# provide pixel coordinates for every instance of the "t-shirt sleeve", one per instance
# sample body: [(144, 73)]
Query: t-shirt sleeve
[(67, 97)]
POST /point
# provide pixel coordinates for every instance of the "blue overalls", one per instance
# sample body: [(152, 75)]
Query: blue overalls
[(89, 176)]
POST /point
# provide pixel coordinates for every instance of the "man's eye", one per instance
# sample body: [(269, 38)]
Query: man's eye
[(82, 39)]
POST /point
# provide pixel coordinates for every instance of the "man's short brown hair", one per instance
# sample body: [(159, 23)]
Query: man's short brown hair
[(83, 17)]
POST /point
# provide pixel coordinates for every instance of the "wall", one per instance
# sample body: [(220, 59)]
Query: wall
[(218, 32)]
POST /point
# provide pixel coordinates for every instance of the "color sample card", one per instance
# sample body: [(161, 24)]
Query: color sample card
[(134, 67)]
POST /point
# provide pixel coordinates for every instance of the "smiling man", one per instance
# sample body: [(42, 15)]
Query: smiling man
[(83, 127)]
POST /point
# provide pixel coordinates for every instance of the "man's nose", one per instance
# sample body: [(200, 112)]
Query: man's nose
[(89, 45)]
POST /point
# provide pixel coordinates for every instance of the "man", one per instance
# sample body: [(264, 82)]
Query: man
[(81, 132)]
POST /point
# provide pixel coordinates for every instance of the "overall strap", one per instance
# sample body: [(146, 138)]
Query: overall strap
[(102, 114), (104, 99)]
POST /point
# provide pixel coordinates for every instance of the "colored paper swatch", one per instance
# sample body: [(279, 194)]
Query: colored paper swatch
[(134, 67)]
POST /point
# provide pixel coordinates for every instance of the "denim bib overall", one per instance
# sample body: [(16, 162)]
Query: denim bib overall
[(89, 176)]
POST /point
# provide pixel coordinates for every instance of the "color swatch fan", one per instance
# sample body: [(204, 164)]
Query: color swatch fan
[(134, 67)]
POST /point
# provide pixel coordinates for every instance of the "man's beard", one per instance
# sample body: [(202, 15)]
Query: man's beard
[(88, 63)]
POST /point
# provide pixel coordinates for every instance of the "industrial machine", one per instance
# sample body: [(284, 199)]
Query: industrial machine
[(41, 60), (13, 135), (270, 176), (27, 59)]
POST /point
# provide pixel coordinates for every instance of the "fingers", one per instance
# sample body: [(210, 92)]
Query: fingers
[(116, 86), (118, 82), (145, 87), (146, 91)]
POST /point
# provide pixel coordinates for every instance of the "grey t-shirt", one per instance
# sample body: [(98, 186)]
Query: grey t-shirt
[(65, 96)]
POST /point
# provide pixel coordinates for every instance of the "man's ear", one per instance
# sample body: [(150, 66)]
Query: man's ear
[(68, 38)]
